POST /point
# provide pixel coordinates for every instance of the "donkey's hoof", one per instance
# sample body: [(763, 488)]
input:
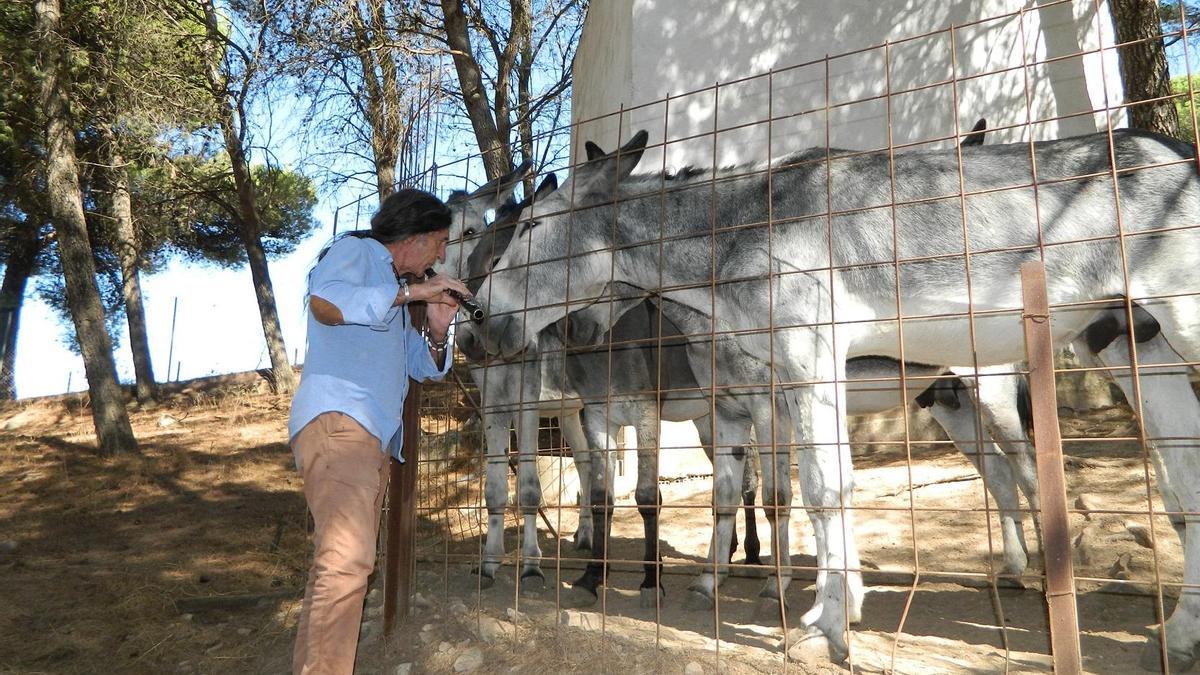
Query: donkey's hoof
[(812, 647), (533, 582), (486, 579), (583, 540), (769, 591), (698, 598), (578, 596), (1151, 658), (653, 597), (1011, 582)]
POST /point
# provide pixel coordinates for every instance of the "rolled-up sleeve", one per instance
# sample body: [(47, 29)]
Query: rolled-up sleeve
[(420, 361), (340, 278)]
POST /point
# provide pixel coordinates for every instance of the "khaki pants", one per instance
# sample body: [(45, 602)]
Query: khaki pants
[(345, 478)]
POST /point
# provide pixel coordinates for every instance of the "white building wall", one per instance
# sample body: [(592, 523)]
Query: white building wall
[(658, 60), (636, 53)]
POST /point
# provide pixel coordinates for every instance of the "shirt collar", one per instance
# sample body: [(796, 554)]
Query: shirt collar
[(381, 251)]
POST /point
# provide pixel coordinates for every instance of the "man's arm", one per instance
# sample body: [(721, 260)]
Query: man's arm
[(325, 311)]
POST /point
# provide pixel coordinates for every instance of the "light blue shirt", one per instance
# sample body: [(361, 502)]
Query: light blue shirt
[(361, 368)]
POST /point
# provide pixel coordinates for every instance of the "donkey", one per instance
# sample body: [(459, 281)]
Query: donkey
[(468, 217), (753, 248), (948, 400)]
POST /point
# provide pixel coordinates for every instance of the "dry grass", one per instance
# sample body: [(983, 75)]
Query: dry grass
[(103, 548)]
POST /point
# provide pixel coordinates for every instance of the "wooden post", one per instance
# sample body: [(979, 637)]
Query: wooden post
[(1052, 486), (399, 560)]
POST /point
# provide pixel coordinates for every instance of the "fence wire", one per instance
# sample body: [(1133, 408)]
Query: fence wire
[(950, 543)]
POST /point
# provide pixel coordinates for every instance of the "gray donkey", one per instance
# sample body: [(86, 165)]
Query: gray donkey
[(745, 406), (753, 248)]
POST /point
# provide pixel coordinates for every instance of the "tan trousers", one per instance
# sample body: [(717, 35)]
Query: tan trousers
[(345, 477)]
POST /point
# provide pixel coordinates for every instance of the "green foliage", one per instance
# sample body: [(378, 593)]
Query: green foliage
[(193, 202), (1184, 106)]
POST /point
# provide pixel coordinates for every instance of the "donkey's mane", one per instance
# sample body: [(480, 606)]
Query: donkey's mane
[(694, 174)]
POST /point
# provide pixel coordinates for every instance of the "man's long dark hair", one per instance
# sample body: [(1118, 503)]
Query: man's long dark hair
[(405, 213)]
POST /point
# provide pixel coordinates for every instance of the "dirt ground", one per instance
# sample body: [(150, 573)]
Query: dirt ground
[(191, 557)]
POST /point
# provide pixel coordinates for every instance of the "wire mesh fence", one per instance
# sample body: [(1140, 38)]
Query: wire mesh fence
[(845, 332)]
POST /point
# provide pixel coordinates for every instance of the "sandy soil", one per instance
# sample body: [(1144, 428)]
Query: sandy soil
[(101, 557)]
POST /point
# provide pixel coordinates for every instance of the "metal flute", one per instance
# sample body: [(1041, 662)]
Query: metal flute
[(469, 306)]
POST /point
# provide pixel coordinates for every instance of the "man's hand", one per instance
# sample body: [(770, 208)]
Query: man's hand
[(434, 290)]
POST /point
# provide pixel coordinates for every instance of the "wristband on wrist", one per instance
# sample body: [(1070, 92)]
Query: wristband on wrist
[(405, 290)]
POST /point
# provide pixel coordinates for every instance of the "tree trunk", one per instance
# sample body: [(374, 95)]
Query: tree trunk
[(524, 86), (131, 281), (283, 378), (113, 431), (1144, 72), (383, 93), (17, 269), (497, 158)]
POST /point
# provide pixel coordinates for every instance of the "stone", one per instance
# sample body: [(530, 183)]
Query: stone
[(8, 546), (468, 661), (458, 608), (1088, 544), (375, 596), (444, 647), (494, 630), (1141, 533), (1120, 568), (421, 601), (403, 669), (514, 615), (165, 421), (693, 668), (1086, 504), (577, 619), (186, 617), (426, 638), (244, 631)]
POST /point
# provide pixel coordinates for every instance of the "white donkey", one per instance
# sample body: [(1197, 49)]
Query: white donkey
[(753, 247)]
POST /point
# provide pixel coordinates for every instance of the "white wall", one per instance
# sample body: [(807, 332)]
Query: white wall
[(636, 53), (659, 59)]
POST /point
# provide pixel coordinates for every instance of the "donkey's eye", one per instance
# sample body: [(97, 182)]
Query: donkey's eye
[(469, 232), (529, 226)]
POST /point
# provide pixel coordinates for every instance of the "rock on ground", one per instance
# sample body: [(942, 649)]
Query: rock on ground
[(468, 661)]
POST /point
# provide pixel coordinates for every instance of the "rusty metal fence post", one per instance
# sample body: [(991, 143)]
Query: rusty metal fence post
[(1052, 486), (399, 559)]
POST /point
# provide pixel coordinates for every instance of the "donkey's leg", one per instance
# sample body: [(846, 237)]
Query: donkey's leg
[(729, 453), (826, 477), (529, 498), (649, 501), (495, 432), (1171, 420), (955, 412), (750, 478), (1000, 398), (773, 422), (583, 591), (572, 430), (705, 432)]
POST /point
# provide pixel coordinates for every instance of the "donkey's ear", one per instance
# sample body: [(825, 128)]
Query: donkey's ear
[(495, 192), (603, 173), (593, 151), (549, 184), (976, 135)]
